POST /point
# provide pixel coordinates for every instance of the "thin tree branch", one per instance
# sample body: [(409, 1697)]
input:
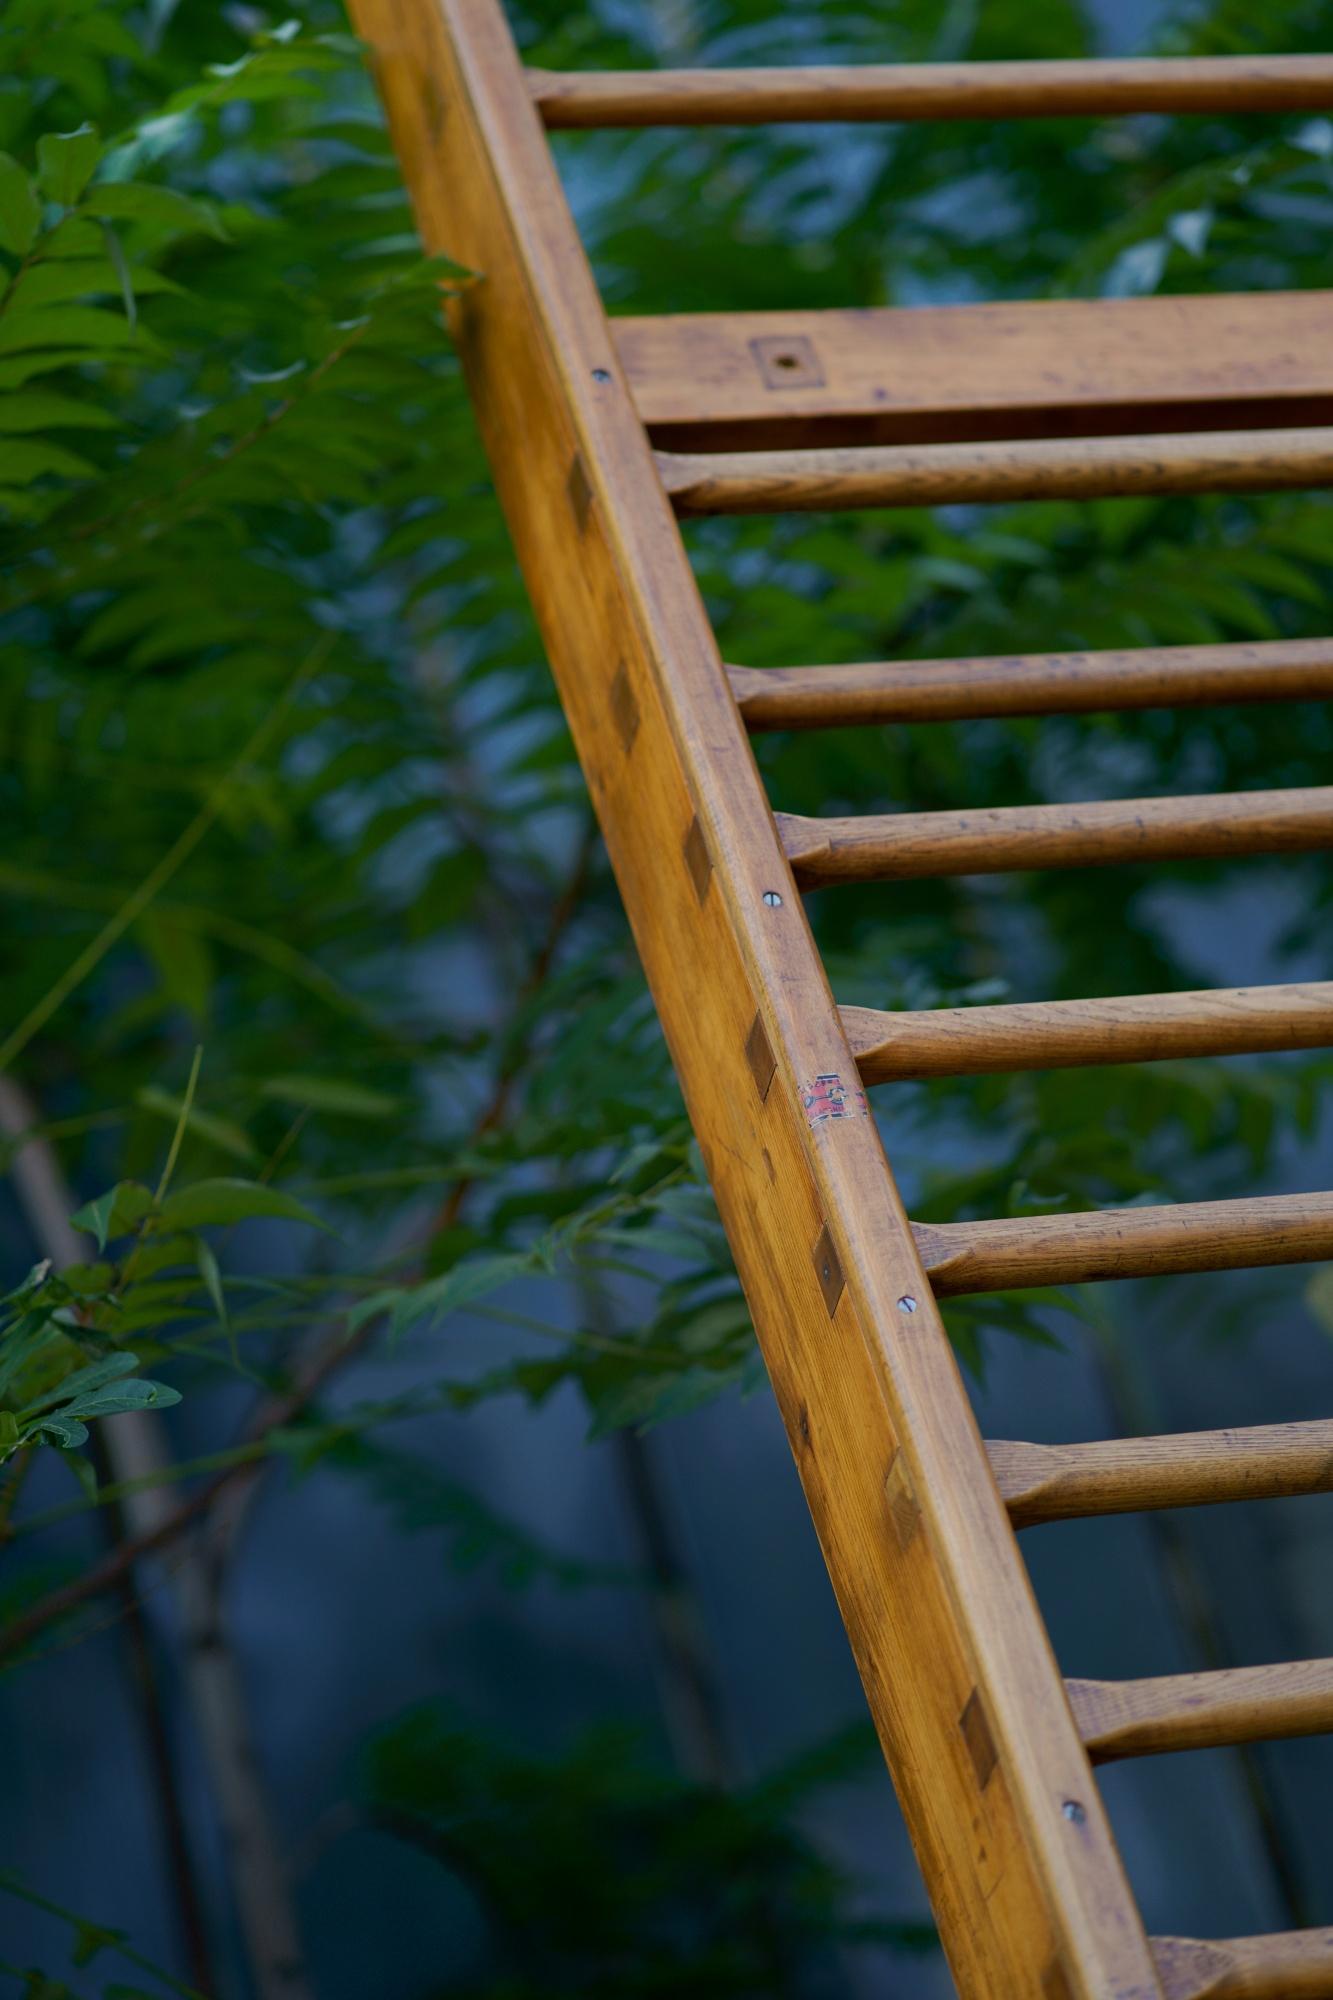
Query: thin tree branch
[(135, 1448)]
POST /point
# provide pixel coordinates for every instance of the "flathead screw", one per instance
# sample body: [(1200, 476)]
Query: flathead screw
[(907, 1304), (772, 898), (601, 374), (1072, 1810)]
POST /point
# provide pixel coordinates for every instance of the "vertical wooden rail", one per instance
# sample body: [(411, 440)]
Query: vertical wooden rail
[(995, 1784)]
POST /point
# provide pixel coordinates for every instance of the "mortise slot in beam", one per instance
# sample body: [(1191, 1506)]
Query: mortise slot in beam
[(998, 840), (1067, 1482), (1031, 684), (1289, 1965), (883, 91), (1012, 1252), (940, 475), (763, 381), (1062, 1034), (1202, 1711)]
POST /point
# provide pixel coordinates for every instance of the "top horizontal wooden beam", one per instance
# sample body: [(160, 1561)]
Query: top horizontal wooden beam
[(871, 93), (1007, 368)]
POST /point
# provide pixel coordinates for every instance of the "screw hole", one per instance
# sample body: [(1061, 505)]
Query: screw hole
[(786, 361), (601, 374), (1074, 1811)]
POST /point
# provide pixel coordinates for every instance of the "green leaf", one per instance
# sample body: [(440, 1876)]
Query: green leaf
[(87, 327), (44, 410), (65, 162), (20, 210), (10, 1435), (212, 1277), (67, 1432), (331, 1093), (223, 1201), (162, 207), (115, 1212), (219, 1132)]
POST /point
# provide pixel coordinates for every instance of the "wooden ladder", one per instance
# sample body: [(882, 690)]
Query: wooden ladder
[(600, 434)]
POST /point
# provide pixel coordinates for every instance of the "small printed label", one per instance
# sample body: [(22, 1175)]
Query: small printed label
[(829, 1097)]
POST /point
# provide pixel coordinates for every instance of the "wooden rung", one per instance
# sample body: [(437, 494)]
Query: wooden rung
[(1202, 1711), (1000, 839), (1000, 369), (1062, 1034), (1011, 1252), (875, 92), (940, 475), (1289, 1965), (1032, 684), (1068, 1482)]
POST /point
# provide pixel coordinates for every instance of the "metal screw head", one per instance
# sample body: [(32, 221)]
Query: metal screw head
[(1074, 1811), (772, 898), (907, 1304), (601, 374)]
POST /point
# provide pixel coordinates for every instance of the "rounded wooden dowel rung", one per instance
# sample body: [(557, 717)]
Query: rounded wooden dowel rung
[(873, 92), (941, 475), (871, 692), (1065, 1482), (998, 840), (1011, 1253), (1065, 1034), (1202, 1711), (1288, 1965)]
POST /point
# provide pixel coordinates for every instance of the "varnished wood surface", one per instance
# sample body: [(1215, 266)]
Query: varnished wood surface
[(875, 92), (998, 840), (1203, 1711), (1011, 1252), (1062, 1034), (1010, 369), (884, 691), (939, 475), (956, 1663), (1065, 1482), (1289, 1965)]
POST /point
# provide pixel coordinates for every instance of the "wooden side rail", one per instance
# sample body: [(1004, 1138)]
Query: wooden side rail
[(1002, 369), (1032, 684), (941, 475), (1289, 1965), (1002, 839), (1012, 1252), (957, 1665), (1203, 1711), (1068, 1482), (1063, 1034), (875, 92)]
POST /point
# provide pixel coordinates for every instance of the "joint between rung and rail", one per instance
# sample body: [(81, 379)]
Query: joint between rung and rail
[(1067, 1034), (1147, 1718), (1064, 1482), (871, 692)]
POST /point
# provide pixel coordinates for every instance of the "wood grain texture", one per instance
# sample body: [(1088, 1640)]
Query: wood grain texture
[(1289, 1965), (1203, 1711), (1103, 1243), (940, 475), (1009, 369), (885, 691), (1064, 1034), (875, 92), (943, 1624), (1000, 839), (1065, 1482)]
